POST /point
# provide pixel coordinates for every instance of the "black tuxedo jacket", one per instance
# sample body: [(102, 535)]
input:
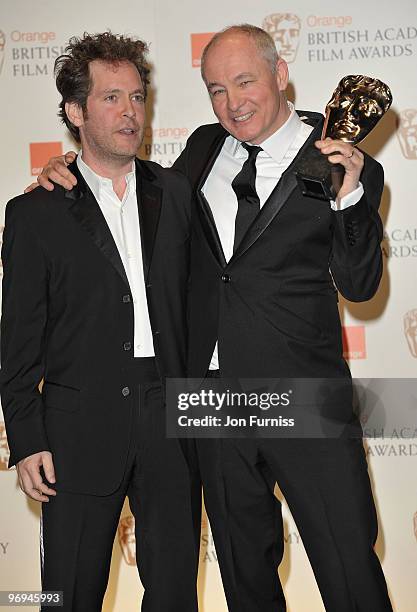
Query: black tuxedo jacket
[(273, 306), (68, 319)]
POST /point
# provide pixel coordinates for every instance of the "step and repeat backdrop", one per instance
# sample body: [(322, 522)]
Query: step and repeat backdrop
[(321, 42)]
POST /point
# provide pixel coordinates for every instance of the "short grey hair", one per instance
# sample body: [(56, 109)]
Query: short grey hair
[(262, 40)]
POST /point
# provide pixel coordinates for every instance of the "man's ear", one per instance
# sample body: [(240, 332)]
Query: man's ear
[(282, 74), (74, 113)]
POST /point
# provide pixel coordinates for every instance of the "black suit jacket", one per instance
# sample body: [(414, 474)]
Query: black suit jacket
[(68, 318), (273, 306)]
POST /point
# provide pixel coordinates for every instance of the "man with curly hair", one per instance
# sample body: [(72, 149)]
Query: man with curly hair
[(94, 297)]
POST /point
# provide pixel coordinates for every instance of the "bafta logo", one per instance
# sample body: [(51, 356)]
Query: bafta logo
[(127, 541), (410, 330), (4, 449), (284, 28), (407, 133), (2, 46)]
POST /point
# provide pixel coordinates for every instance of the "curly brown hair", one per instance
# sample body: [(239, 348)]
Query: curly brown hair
[(72, 74)]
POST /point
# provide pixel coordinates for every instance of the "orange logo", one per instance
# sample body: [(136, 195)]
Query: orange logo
[(284, 28), (198, 42), (40, 154), (410, 330), (407, 133), (354, 344), (4, 449), (127, 541), (2, 46)]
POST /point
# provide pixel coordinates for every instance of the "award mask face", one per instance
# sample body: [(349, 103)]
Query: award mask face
[(356, 106), (407, 132), (410, 330), (284, 28)]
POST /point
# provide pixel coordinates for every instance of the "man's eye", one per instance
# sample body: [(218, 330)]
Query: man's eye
[(216, 92), (139, 98), (110, 98)]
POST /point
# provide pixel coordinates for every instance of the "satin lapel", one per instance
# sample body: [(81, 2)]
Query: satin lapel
[(87, 213), (277, 199), (206, 216), (149, 198)]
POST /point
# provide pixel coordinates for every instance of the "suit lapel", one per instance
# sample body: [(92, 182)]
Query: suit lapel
[(85, 210), (280, 194), (149, 198), (204, 210)]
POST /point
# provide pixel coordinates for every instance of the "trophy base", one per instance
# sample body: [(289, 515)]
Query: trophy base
[(314, 187), (317, 177)]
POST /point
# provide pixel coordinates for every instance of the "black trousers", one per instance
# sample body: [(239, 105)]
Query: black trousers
[(79, 530), (327, 488)]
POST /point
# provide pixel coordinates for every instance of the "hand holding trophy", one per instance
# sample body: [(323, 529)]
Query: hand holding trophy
[(356, 106)]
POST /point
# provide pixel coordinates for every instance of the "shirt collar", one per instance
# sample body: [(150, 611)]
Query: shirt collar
[(277, 144), (98, 184)]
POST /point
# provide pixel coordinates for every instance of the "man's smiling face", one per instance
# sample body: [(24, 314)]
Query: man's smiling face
[(247, 96)]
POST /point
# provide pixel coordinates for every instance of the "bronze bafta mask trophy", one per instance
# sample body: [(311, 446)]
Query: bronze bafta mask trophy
[(356, 106)]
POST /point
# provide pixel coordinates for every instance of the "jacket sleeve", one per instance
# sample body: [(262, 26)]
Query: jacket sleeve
[(23, 326), (356, 258), (181, 163)]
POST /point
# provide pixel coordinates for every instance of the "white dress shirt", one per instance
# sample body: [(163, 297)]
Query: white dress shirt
[(122, 217), (278, 151)]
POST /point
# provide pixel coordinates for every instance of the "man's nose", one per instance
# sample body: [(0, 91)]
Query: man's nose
[(129, 109), (234, 100)]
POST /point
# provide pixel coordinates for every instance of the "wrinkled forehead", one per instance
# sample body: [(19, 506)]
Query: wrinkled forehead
[(116, 74), (237, 51)]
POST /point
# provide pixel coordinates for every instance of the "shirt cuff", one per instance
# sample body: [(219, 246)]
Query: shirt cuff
[(350, 199)]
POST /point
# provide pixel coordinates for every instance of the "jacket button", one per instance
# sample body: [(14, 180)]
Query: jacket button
[(125, 391), (226, 278), (127, 346), (126, 298)]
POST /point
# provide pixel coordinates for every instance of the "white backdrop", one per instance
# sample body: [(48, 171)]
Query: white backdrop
[(322, 42)]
